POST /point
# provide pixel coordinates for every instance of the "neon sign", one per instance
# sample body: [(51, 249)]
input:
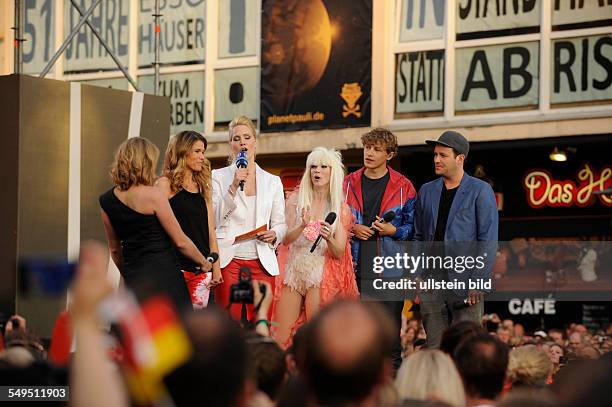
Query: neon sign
[(543, 190)]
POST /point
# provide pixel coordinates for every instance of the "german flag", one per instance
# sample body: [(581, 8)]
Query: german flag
[(155, 344)]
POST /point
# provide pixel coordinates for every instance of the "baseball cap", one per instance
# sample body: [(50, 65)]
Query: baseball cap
[(452, 139), (541, 334)]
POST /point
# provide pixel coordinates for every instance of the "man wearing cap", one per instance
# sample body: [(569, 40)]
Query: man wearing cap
[(454, 208)]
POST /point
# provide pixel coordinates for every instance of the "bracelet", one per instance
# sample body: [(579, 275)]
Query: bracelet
[(263, 321), (232, 193)]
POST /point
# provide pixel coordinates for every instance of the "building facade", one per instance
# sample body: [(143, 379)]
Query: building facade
[(502, 70)]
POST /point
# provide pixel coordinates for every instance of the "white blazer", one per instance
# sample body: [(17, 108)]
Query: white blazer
[(230, 214)]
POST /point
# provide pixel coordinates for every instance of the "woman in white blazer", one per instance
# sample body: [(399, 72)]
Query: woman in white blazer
[(260, 201)]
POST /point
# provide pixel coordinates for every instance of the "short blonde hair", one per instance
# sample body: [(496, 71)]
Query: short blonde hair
[(242, 121), (529, 366), (430, 375), (135, 162)]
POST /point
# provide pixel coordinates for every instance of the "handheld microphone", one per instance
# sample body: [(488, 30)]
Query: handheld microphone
[(387, 217), (212, 258), (242, 162), (330, 218)]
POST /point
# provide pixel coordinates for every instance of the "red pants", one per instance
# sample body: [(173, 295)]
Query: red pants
[(231, 274)]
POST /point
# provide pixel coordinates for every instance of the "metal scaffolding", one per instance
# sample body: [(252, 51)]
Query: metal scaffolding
[(85, 20)]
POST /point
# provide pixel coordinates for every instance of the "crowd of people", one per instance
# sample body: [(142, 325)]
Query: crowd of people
[(340, 357), (267, 290)]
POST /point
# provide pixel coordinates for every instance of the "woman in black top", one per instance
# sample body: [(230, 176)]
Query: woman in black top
[(141, 228), (186, 183)]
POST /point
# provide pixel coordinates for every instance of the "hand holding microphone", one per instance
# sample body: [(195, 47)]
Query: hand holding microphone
[(242, 162), (207, 265), (329, 220), (383, 225)]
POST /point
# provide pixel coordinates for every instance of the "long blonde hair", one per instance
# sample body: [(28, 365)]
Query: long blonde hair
[(134, 164), (179, 147), (430, 375), (333, 159)]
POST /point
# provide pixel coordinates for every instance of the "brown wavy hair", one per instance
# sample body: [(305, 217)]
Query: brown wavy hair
[(135, 162), (174, 163)]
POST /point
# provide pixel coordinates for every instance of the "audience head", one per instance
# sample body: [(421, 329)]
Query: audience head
[(529, 366), (23, 340), (585, 383), (430, 374), (555, 353), (588, 352), (267, 364), (216, 374), (508, 323), (575, 342), (294, 355), (557, 335), (346, 351), (456, 333), (503, 334), (482, 363), (135, 162), (519, 330)]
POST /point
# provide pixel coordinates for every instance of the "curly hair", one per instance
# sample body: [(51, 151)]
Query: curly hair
[(382, 136), (135, 162), (179, 147)]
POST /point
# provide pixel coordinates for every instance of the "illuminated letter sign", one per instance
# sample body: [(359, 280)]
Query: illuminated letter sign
[(542, 190)]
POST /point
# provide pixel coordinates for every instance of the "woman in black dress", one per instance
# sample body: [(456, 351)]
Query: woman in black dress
[(141, 228), (186, 183)]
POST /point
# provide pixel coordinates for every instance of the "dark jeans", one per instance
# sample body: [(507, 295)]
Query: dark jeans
[(437, 317), (394, 309)]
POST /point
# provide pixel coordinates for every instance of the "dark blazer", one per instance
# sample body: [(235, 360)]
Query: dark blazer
[(472, 217)]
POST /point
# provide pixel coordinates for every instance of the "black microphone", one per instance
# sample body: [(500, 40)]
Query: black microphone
[(242, 162), (212, 258), (330, 218), (387, 217)]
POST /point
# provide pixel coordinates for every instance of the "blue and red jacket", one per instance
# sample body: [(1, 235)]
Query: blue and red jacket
[(400, 197)]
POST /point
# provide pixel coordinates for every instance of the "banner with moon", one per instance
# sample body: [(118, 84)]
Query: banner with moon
[(316, 64)]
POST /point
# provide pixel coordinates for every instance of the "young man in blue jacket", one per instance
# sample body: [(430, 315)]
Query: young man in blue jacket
[(371, 192), (455, 208)]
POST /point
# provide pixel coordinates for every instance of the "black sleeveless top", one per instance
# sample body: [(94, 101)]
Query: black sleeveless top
[(141, 235), (191, 212), (150, 265)]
